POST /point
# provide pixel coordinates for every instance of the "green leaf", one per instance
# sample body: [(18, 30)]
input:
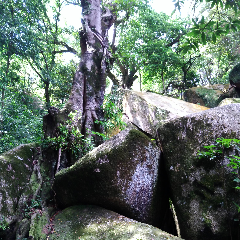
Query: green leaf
[(237, 180), (233, 27), (203, 37), (213, 4), (227, 28), (194, 33), (202, 20)]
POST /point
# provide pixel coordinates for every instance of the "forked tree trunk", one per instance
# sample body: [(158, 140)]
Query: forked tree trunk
[(88, 87), (90, 80)]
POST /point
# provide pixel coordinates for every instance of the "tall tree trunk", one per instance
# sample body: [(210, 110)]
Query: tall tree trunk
[(90, 80), (46, 94), (88, 88)]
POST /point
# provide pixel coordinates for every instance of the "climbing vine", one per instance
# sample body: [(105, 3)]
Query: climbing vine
[(70, 138)]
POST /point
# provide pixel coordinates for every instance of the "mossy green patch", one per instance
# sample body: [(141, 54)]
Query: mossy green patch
[(210, 96), (95, 223), (39, 226), (16, 169)]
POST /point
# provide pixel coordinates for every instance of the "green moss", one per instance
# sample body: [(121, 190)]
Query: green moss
[(39, 226), (16, 168), (90, 222), (210, 96)]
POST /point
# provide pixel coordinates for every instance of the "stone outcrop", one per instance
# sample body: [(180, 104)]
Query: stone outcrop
[(227, 101), (19, 184), (95, 223), (202, 190), (132, 175), (121, 175), (208, 96), (149, 110)]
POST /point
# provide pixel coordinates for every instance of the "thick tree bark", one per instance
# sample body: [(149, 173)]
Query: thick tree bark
[(90, 80), (88, 89)]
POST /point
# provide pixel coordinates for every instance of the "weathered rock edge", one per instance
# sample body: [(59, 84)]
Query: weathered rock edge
[(149, 110), (202, 190), (120, 175)]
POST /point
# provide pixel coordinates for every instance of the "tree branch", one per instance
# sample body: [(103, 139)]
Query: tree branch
[(113, 78), (176, 40), (68, 48)]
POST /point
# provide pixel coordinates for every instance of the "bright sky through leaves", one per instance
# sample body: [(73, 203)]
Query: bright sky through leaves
[(71, 14)]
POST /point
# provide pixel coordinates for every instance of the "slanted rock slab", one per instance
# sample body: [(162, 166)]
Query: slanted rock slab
[(203, 190), (149, 110), (16, 185), (120, 175), (96, 223)]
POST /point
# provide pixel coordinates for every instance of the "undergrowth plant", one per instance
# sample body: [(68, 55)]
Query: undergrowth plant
[(225, 147), (70, 138), (112, 108), (31, 206), (3, 224)]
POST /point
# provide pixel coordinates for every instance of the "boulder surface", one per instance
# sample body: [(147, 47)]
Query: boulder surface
[(96, 223), (202, 190), (18, 183), (227, 101), (149, 110), (120, 175)]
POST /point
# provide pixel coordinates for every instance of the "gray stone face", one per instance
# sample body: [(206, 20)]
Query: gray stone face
[(16, 169), (202, 190), (228, 101), (95, 223), (120, 175), (149, 110), (18, 184)]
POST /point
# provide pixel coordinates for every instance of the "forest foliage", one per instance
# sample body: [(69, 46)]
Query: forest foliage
[(161, 53)]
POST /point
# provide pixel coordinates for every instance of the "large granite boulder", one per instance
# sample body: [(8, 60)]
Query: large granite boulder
[(149, 110), (18, 185), (96, 223), (120, 175), (202, 190)]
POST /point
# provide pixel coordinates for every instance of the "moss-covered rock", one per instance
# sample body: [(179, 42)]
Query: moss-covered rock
[(16, 170), (149, 110), (202, 190), (208, 96), (21, 192), (120, 175), (23, 229), (95, 223), (40, 225)]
